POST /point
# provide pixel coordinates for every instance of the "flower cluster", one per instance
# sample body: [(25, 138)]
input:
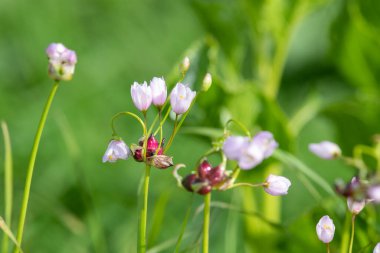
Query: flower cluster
[(249, 152), (61, 62)]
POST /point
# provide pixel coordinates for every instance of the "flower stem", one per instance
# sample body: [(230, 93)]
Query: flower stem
[(173, 134), (352, 233), (32, 160), (328, 247), (144, 212), (206, 222)]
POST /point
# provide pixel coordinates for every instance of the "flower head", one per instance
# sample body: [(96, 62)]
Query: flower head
[(181, 98), (141, 96), (355, 206), (377, 248), (159, 91), (277, 185), (61, 61), (325, 150), (117, 149), (325, 229)]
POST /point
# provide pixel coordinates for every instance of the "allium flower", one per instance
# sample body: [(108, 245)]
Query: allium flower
[(61, 61), (233, 146), (325, 229), (141, 96), (159, 91), (266, 142), (277, 185), (354, 206), (117, 149), (181, 98), (373, 193), (251, 156), (325, 150), (377, 248)]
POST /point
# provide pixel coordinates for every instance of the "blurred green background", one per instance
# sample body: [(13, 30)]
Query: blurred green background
[(305, 70)]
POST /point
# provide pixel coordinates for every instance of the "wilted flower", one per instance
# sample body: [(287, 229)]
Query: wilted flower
[(61, 61), (354, 206), (266, 142), (141, 96), (207, 81), (116, 150), (325, 150), (159, 91), (325, 229), (377, 248), (181, 98), (160, 161), (373, 193), (277, 185)]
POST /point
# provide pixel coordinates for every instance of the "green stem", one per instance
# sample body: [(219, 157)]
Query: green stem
[(173, 134), (352, 233), (32, 160), (246, 131), (144, 212), (8, 186), (246, 184), (328, 247), (128, 114), (206, 222)]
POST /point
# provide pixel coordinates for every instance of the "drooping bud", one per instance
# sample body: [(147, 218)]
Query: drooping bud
[(160, 161), (325, 229), (204, 168), (117, 149), (277, 185), (325, 150), (207, 81)]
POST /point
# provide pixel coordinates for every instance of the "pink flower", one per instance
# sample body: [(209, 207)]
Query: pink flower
[(117, 149), (325, 150), (159, 91), (61, 61), (141, 96), (377, 248), (355, 207), (181, 98), (325, 229), (277, 185)]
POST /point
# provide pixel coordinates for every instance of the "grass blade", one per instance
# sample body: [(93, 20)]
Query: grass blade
[(184, 224), (8, 232)]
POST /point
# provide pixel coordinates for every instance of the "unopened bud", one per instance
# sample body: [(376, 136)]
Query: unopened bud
[(185, 65), (207, 81)]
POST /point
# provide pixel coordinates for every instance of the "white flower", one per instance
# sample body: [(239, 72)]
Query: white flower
[(277, 185), (181, 98), (325, 150), (377, 248), (159, 91), (61, 61), (325, 229), (117, 149), (355, 207), (141, 96)]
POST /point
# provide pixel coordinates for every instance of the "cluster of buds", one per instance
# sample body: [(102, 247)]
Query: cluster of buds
[(61, 62), (154, 153), (206, 178)]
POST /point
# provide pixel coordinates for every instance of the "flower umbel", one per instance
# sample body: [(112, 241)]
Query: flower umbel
[(325, 229), (61, 61), (117, 149)]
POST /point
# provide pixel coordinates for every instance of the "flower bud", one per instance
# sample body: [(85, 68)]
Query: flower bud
[(141, 96), (181, 98), (373, 193), (188, 181), (204, 169), (159, 91), (185, 65), (116, 150), (325, 229), (377, 248), (207, 81), (138, 154), (61, 61), (277, 185), (160, 161), (325, 150), (354, 206)]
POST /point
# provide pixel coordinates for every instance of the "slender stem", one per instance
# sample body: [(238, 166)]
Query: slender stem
[(352, 233), (32, 160), (144, 211), (173, 134), (206, 222), (246, 131), (8, 186), (246, 184), (128, 114), (328, 247)]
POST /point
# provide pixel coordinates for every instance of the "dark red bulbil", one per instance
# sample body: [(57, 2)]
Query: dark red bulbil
[(216, 175), (188, 181), (137, 155), (204, 189), (204, 169)]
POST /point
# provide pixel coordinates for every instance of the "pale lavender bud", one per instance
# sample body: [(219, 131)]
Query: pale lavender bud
[(251, 156), (141, 96), (181, 98), (377, 248), (117, 149), (325, 229), (207, 81), (325, 150), (185, 65), (266, 142), (159, 91), (277, 185), (354, 206), (61, 61), (233, 146), (373, 193)]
